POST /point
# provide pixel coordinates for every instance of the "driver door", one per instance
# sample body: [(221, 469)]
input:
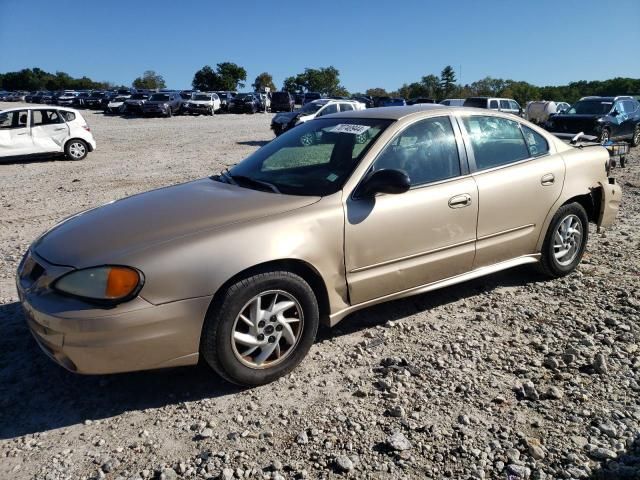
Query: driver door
[(399, 242), (14, 133)]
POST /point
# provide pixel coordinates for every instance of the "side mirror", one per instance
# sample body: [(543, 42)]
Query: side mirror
[(384, 181)]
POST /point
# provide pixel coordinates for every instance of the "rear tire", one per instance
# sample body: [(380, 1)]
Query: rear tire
[(565, 241), (76, 149), (635, 139), (169, 113), (235, 336)]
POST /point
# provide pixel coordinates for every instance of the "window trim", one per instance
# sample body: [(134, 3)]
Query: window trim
[(471, 154), (27, 126), (465, 170), (33, 125)]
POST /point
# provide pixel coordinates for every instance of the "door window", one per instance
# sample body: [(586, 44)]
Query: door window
[(45, 117), (496, 141), (629, 106), (504, 105), (346, 107), (537, 144), (15, 119), (514, 105), (332, 108), (426, 151)]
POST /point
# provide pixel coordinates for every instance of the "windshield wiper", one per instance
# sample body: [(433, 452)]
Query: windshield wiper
[(252, 181)]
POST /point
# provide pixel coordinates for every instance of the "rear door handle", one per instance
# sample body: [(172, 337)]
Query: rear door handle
[(460, 201), (23, 133), (548, 179), (61, 128)]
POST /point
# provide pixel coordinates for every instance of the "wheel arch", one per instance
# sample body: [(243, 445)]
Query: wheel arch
[(300, 267), (89, 147)]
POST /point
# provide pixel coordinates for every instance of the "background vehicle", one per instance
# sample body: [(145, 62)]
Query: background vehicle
[(310, 97), (507, 105), (81, 97), (364, 99), (94, 101), (394, 102), (539, 112), (133, 105), (318, 108), (66, 99), (116, 105), (282, 102), (163, 103), (225, 100), (202, 103), (245, 103), (453, 102), (607, 118), (417, 101), (38, 130)]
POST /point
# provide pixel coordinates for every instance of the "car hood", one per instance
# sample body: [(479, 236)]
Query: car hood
[(156, 102), (105, 234), (573, 123), (286, 117), (200, 102)]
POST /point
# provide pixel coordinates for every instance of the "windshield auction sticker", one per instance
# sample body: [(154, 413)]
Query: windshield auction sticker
[(349, 128)]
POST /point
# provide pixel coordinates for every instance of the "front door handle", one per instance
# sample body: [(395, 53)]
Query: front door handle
[(460, 201), (548, 179), (23, 133), (58, 129)]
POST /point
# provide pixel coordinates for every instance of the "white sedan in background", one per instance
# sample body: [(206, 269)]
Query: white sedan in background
[(202, 102), (38, 130)]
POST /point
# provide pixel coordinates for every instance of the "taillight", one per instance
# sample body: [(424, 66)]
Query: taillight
[(87, 128)]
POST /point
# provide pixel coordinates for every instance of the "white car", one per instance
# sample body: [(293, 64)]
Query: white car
[(37, 130), (284, 121), (116, 105), (205, 103)]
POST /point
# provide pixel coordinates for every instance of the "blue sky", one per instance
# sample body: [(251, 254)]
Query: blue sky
[(373, 43)]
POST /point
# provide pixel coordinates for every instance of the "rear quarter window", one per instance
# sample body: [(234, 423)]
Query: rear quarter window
[(535, 142), (68, 116)]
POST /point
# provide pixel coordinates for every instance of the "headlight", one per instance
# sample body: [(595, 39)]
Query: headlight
[(108, 283)]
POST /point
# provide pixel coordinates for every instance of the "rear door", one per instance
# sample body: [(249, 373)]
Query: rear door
[(519, 179), (48, 130), (14, 133)]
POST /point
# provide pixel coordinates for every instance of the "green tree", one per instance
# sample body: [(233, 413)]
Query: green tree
[(149, 80), (291, 85), (263, 80), (447, 81), (324, 80), (206, 79), (431, 85), (232, 76), (377, 92)]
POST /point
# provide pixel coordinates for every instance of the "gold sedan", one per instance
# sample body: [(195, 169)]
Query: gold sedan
[(337, 214)]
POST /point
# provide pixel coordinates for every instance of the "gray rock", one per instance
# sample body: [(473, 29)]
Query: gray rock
[(343, 463), (601, 453), (554, 393), (396, 411), (530, 392), (398, 442), (302, 438), (600, 364), (206, 433), (519, 471), (226, 474), (168, 474)]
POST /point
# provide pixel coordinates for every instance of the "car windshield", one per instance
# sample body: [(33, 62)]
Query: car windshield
[(312, 107), (159, 97), (281, 97), (244, 96), (314, 159), (590, 107), (119, 99), (201, 96), (138, 96)]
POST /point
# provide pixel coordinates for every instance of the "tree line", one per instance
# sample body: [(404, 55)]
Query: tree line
[(326, 80)]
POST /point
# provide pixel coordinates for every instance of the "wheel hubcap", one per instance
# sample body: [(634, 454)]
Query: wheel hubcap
[(76, 150), (567, 240), (267, 329)]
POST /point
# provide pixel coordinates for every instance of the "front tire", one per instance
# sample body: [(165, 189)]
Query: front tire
[(76, 149), (261, 328), (565, 241)]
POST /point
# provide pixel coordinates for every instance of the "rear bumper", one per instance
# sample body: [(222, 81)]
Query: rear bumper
[(610, 203)]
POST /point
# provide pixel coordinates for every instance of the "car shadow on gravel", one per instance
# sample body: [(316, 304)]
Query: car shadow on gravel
[(397, 309), (27, 159), (38, 395)]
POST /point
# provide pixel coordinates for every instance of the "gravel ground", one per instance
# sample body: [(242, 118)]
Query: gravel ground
[(510, 376)]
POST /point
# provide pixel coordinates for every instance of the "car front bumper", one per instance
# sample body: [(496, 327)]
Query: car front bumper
[(88, 339), (198, 108)]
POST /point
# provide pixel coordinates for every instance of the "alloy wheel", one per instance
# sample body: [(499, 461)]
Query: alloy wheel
[(267, 329), (567, 240), (77, 150)]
